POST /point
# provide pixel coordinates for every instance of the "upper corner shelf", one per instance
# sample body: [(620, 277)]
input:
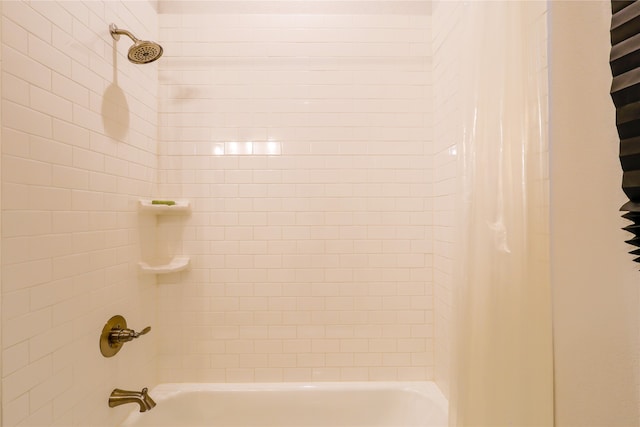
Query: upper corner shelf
[(180, 207)]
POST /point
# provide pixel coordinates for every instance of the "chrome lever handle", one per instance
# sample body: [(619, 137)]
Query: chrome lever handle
[(117, 336), (115, 333)]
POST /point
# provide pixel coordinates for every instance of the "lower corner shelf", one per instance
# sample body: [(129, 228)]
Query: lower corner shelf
[(175, 265)]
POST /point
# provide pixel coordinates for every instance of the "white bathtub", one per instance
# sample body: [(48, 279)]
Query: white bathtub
[(380, 404)]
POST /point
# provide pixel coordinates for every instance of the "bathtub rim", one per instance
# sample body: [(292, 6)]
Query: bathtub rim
[(427, 389)]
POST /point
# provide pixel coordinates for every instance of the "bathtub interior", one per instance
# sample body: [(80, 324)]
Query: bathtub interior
[(301, 405)]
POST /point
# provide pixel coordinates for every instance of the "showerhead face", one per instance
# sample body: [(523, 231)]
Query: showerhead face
[(143, 52)]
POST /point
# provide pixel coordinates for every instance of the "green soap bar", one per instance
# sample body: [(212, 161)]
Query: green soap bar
[(163, 202)]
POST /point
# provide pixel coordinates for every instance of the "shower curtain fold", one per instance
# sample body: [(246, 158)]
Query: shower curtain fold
[(502, 373)]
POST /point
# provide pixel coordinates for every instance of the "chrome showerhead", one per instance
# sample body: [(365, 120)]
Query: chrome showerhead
[(142, 51)]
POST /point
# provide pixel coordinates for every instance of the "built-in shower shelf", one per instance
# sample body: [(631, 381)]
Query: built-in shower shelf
[(175, 265), (180, 207), (166, 228)]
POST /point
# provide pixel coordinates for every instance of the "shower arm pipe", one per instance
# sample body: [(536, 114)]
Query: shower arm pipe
[(116, 32)]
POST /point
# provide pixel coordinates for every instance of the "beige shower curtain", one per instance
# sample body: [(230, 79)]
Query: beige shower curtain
[(502, 372)]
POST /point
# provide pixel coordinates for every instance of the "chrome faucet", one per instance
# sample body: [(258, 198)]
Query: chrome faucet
[(120, 397)]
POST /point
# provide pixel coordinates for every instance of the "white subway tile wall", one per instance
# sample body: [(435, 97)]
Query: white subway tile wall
[(304, 142), (79, 133)]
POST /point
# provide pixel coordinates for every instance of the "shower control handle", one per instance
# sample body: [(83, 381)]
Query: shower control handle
[(125, 335), (115, 333)]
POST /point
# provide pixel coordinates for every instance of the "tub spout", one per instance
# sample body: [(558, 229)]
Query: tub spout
[(120, 397)]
